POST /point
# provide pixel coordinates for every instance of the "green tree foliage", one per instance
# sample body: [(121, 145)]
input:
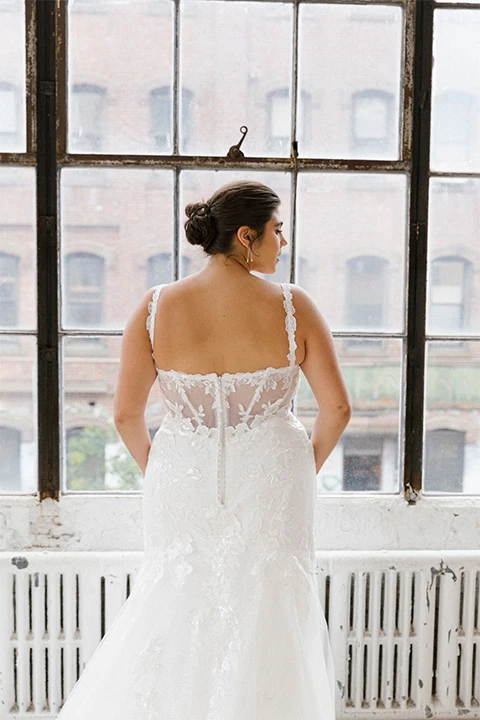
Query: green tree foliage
[(87, 465)]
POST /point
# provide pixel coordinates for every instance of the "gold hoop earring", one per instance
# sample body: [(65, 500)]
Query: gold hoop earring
[(249, 256)]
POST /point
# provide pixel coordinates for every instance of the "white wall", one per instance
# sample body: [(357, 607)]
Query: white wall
[(366, 522)]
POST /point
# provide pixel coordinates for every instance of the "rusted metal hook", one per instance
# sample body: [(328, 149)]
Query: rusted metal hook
[(234, 153)]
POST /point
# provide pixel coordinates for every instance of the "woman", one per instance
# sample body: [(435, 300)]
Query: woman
[(224, 620)]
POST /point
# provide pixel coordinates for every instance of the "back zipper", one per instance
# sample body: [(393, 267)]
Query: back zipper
[(221, 443)]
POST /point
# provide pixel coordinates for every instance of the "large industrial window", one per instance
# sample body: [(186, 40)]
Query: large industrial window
[(363, 116)]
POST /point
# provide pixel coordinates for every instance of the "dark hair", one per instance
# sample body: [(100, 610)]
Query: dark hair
[(212, 224)]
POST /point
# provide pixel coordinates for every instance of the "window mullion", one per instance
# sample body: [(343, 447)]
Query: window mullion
[(61, 78), (47, 351), (176, 73), (176, 139), (294, 143), (176, 224), (417, 271), (30, 50), (407, 80)]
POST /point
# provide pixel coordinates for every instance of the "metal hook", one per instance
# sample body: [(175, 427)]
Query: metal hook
[(234, 153)]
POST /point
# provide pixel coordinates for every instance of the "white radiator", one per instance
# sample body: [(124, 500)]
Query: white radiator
[(404, 627)]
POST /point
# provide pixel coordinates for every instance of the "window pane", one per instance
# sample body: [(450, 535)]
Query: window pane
[(17, 248), (162, 118), (18, 429), (113, 221), (84, 285), (160, 269), (279, 119), (113, 115), (199, 185), (12, 78), (451, 461), (94, 456), (350, 62), (280, 125), (366, 457), (161, 109), (453, 257), (231, 73), (472, 2), (88, 110), (455, 137), (351, 231), (371, 118), (8, 110)]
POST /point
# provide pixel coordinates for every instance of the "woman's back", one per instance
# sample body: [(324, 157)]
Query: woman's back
[(234, 399), (204, 327)]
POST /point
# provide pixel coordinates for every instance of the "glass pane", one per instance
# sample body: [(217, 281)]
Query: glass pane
[(113, 222), (366, 458), (351, 239), (234, 78), (17, 248), (455, 136), (12, 77), (18, 421), (94, 456), (469, 2), (199, 185), (451, 460), (453, 257), (350, 64), (112, 86)]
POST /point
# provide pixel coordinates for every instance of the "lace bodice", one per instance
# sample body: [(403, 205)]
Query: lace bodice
[(232, 400)]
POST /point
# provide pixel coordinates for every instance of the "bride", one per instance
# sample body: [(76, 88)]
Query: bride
[(225, 318), (224, 621)]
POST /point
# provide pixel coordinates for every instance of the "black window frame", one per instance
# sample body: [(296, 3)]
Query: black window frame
[(46, 32)]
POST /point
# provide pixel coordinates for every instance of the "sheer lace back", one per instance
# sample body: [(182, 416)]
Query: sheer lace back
[(231, 400)]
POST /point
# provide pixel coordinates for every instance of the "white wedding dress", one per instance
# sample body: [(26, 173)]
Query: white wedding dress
[(224, 621)]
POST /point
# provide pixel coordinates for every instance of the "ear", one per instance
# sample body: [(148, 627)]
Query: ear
[(244, 234)]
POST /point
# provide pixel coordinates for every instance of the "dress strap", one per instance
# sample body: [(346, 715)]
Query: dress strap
[(152, 311), (290, 322)]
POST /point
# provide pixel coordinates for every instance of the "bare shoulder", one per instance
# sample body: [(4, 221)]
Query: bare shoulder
[(321, 363), (302, 300), (309, 318), (141, 311), (169, 290)]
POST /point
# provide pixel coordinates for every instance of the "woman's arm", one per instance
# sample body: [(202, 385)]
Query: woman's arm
[(327, 430), (136, 377), (322, 370)]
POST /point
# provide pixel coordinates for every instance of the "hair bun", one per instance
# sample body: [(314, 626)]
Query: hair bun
[(200, 226)]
